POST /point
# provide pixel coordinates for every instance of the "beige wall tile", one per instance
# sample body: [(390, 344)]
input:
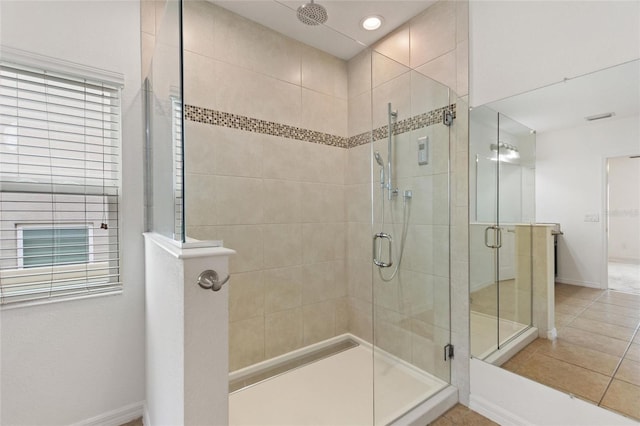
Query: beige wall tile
[(318, 283), (342, 316), (283, 158), (199, 71), (283, 332), (253, 94), (198, 27), (396, 45), (433, 32), (282, 245), (359, 241), (240, 200), (462, 69), (433, 94), (322, 203), (199, 148), (360, 322), (246, 296), (237, 153), (392, 335), (359, 74), (360, 277), (246, 342), (358, 168), (282, 201), (398, 92), (442, 69), (247, 241), (283, 289), (324, 73), (359, 120), (385, 69), (243, 42), (201, 202), (358, 203), (322, 163), (322, 242), (319, 321), (323, 113)]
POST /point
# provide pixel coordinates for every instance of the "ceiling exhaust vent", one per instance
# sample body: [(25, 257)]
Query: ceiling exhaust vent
[(600, 116)]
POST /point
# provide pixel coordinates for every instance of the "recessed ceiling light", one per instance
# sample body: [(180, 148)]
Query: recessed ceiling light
[(371, 23)]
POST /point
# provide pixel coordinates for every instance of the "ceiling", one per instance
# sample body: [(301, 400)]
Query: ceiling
[(341, 36), (566, 104)]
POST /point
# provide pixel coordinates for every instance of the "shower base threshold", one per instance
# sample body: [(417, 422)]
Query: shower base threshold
[(338, 389)]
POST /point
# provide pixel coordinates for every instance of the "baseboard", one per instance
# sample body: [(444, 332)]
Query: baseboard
[(494, 412), (116, 417), (589, 284), (146, 420)]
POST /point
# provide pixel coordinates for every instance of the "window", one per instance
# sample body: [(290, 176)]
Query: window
[(46, 245), (59, 185)]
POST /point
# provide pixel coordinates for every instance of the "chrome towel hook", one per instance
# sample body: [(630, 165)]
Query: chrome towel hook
[(209, 280)]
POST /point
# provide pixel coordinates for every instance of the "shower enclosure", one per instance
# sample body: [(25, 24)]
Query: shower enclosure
[(330, 177), (502, 176)]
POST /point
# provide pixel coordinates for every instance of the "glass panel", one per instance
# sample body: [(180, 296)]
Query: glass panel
[(164, 115), (483, 217), (410, 179), (516, 210), (502, 211), (55, 246)]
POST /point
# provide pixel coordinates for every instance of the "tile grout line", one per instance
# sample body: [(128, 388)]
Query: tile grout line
[(624, 354)]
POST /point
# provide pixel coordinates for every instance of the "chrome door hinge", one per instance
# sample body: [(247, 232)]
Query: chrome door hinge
[(447, 117), (448, 351)]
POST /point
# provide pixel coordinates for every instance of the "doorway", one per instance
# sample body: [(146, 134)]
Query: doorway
[(623, 223)]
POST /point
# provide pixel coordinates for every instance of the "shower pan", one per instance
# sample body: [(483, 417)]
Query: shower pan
[(297, 173)]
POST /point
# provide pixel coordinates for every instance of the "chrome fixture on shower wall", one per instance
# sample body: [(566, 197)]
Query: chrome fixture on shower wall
[(312, 14), (386, 183), (392, 118)]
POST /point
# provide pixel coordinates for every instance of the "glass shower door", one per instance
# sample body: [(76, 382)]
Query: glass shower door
[(483, 231), (516, 162), (410, 187), (502, 211)]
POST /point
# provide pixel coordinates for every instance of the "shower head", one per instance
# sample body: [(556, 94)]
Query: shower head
[(312, 14), (378, 158)]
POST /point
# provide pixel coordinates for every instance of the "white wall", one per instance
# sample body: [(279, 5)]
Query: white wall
[(624, 209), (570, 183), (67, 362), (517, 46)]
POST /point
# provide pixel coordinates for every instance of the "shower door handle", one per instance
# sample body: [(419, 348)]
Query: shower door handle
[(497, 237), (380, 236)]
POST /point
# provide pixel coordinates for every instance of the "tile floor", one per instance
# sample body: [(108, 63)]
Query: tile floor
[(460, 415), (597, 354)]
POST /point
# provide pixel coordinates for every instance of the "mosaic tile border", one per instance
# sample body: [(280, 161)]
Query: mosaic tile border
[(255, 125), (240, 122), (408, 124)]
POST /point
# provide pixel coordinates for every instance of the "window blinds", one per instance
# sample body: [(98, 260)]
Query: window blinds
[(59, 183)]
